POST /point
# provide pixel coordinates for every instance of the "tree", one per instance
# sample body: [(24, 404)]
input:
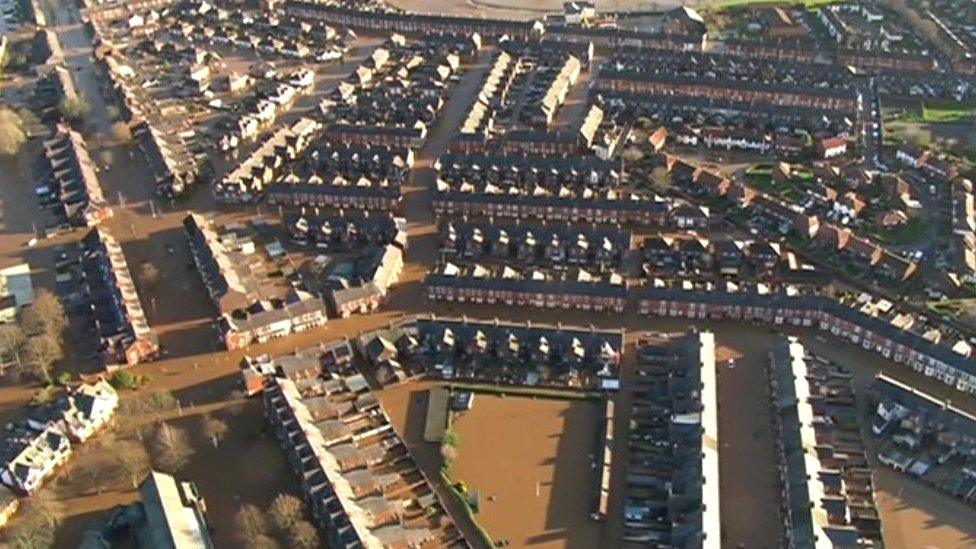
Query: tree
[(95, 475), (121, 132), (42, 514), (632, 155), (451, 438), (134, 461), (262, 541), (43, 351), (250, 523), (44, 508), (214, 428), (46, 315), (28, 118), (30, 534), (122, 379), (74, 109), (13, 343), (303, 535), (449, 453), (161, 401), (912, 134), (148, 274), (660, 178), (12, 134), (171, 449), (286, 511)]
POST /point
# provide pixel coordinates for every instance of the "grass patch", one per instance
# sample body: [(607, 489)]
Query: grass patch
[(729, 4), (945, 111), (462, 499), (760, 170), (953, 307), (534, 392), (803, 173), (913, 231), (936, 115), (44, 395)]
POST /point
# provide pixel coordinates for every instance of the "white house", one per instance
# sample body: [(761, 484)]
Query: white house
[(32, 456)]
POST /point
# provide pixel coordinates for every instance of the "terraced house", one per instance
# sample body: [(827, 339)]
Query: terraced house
[(671, 496), (360, 481), (126, 337), (255, 299)]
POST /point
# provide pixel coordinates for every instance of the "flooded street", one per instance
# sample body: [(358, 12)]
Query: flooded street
[(532, 456)]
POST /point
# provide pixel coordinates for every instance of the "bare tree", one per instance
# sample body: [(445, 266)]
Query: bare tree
[(148, 274), (262, 541), (661, 178), (45, 508), (303, 535), (43, 352), (31, 534), (13, 343), (95, 474), (250, 522), (12, 135), (286, 510), (121, 132), (214, 428), (41, 513), (134, 461), (171, 448), (448, 453), (632, 155), (46, 315)]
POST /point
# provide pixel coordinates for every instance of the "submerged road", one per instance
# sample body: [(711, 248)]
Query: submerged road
[(202, 376)]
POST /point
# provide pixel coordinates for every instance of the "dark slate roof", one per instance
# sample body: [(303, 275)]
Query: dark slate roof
[(818, 303), (551, 287)]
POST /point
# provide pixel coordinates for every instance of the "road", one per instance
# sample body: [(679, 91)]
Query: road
[(872, 129)]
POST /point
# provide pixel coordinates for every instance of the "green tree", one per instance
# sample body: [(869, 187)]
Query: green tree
[(123, 379), (161, 401), (451, 438), (74, 109)]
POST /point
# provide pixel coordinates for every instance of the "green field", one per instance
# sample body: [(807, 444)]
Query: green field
[(914, 231), (948, 112), (727, 4)]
